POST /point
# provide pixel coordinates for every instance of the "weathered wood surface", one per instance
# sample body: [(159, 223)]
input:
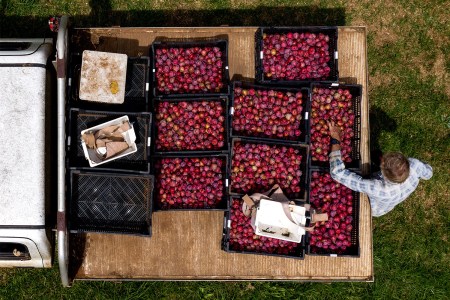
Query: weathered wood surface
[(187, 245)]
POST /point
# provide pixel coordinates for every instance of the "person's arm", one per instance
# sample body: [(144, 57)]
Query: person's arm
[(335, 134), (337, 168), (348, 178)]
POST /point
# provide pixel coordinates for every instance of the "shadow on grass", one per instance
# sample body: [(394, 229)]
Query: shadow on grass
[(379, 122), (102, 15)]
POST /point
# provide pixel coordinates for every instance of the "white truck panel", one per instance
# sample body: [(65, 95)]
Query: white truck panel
[(22, 150), (22, 123), (37, 244), (37, 52), (23, 82)]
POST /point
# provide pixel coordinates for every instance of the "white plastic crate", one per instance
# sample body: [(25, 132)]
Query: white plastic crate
[(129, 136)]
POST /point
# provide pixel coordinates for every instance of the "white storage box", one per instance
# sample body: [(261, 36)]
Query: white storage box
[(129, 136), (271, 221)]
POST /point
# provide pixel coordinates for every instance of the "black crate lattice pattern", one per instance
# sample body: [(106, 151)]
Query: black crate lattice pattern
[(111, 203)]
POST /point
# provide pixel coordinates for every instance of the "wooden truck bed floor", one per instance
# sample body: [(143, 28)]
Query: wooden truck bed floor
[(187, 245)]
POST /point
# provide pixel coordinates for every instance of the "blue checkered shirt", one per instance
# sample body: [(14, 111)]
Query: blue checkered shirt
[(383, 194)]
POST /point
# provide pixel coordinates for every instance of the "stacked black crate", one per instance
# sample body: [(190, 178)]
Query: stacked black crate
[(283, 75), (190, 133), (342, 103), (315, 66), (274, 119), (114, 197)]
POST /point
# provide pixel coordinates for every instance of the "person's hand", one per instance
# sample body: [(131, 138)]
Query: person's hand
[(335, 131)]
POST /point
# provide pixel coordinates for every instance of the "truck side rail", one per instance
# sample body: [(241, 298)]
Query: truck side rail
[(61, 68)]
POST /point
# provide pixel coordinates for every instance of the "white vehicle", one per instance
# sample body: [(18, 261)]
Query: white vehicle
[(28, 177), (26, 124)]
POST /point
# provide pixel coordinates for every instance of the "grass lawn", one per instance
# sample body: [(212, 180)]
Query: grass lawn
[(409, 92)]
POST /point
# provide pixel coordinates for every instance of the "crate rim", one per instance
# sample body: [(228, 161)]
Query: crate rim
[(190, 42)]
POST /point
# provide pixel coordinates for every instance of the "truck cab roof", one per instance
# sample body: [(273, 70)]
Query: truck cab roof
[(24, 149)]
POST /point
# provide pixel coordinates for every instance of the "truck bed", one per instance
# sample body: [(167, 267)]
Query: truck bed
[(187, 245)]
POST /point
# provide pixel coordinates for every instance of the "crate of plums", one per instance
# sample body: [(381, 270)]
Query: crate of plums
[(190, 68), (339, 235), (191, 125), (190, 181), (256, 166), (239, 236), (341, 104), (296, 55), (274, 113)]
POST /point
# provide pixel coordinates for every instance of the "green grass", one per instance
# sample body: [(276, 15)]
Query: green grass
[(409, 91)]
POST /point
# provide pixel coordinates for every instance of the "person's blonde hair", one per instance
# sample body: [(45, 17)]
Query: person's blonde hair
[(395, 167)]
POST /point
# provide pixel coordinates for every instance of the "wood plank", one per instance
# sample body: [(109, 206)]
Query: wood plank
[(186, 245)]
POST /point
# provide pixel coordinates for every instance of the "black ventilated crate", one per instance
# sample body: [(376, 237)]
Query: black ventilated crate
[(228, 246), (332, 32), (207, 42), (353, 250), (138, 161), (356, 92), (304, 123), (224, 104), (221, 203), (137, 86), (110, 203), (304, 151)]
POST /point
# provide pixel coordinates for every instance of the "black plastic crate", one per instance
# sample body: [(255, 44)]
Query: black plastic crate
[(356, 91), (224, 149), (304, 123), (304, 151), (137, 86), (298, 253), (332, 32), (80, 120), (222, 204), (110, 203), (207, 42), (354, 249)]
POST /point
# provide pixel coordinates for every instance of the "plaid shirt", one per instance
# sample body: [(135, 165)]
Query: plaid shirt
[(383, 194)]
